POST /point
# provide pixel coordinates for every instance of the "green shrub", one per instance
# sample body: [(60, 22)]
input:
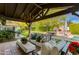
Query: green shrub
[(36, 36), (6, 35), (74, 28), (39, 38), (33, 36)]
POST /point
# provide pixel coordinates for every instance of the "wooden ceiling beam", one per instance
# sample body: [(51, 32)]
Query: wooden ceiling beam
[(54, 5), (73, 13), (19, 9), (30, 7), (37, 5), (10, 9), (46, 11), (43, 13), (57, 14), (26, 12), (34, 10), (37, 15), (1, 8), (13, 19)]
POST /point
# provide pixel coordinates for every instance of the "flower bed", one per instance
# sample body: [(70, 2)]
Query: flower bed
[(74, 47)]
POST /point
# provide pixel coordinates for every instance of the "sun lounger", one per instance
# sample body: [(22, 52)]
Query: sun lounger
[(27, 48)]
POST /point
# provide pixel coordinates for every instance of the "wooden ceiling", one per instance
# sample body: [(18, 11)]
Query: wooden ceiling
[(31, 12)]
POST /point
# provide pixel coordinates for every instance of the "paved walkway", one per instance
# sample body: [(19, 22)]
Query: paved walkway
[(10, 48)]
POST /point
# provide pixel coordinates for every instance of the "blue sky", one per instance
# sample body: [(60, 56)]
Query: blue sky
[(73, 18)]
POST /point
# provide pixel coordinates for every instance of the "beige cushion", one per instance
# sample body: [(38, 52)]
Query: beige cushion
[(48, 49), (45, 49), (54, 51)]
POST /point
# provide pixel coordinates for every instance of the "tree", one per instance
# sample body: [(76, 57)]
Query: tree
[(49, 24)]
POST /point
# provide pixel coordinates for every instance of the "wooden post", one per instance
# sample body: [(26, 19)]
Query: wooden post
[(29, 30)]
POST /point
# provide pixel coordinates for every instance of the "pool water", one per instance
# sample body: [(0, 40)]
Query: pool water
[(75, 38)]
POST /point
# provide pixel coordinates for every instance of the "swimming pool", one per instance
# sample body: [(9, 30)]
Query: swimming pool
[(75, 38)]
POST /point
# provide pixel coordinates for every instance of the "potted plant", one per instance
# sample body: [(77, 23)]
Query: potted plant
[(39, 38), (24, 40), (74, 48), (33, 36)]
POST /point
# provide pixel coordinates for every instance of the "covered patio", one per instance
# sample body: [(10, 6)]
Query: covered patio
[(30, 13)]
